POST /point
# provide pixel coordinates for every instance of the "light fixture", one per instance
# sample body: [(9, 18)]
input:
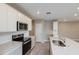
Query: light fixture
[(38, 12), (75, 14), (78, 8), (65, 19)]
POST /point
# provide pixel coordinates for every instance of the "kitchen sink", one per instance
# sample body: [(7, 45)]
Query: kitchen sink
[(58, 43)]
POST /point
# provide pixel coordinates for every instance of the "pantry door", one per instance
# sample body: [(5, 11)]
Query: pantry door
[(39, 32)]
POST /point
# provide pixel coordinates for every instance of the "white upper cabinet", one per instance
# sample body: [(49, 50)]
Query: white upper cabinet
[(9, 17), (29, 22), (12, 19), (21, 17), (3, 18)]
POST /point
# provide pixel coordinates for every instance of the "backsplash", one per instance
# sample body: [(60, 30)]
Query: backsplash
[(5, 37)]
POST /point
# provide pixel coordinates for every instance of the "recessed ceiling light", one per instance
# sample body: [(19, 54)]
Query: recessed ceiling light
[(78, 8), (65, 19), (38, 12), (75, 14)]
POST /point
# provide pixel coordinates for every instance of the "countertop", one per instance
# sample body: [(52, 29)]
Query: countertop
[(9, 46), (72, 48)]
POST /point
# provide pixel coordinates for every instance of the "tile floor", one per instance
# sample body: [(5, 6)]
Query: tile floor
[(40, 49)]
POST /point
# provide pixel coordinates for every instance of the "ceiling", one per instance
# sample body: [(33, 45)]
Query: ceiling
[(58, 11)]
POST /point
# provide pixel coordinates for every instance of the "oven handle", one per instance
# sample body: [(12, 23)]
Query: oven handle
[(27, 41)]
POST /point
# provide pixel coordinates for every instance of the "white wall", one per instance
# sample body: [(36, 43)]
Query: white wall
[(48, 28), (55, 28), (43, 30), (5, 37), (39, 31)]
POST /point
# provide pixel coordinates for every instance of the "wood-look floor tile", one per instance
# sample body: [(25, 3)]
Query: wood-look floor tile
[(40, 49)]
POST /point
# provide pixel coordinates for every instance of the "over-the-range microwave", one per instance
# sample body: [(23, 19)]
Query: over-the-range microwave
[(21, 26)]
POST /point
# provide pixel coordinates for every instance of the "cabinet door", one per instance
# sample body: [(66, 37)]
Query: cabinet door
[(25, 19), (21, 17), (12, 19), (29, 21), (3, 18)]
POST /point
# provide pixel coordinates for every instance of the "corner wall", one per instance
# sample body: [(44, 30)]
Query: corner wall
[(69, 29)]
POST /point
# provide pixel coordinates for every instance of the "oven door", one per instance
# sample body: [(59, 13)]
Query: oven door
[(26, 46)]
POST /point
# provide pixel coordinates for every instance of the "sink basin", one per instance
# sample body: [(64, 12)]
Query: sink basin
[(58, 43)]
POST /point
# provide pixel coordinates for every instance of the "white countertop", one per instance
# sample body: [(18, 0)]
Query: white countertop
[(9, 46), (72, 48)]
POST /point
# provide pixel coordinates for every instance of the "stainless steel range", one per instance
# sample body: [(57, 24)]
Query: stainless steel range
[(26, 42)]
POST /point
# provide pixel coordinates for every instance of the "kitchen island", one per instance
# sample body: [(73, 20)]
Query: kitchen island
[(71, 48)]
